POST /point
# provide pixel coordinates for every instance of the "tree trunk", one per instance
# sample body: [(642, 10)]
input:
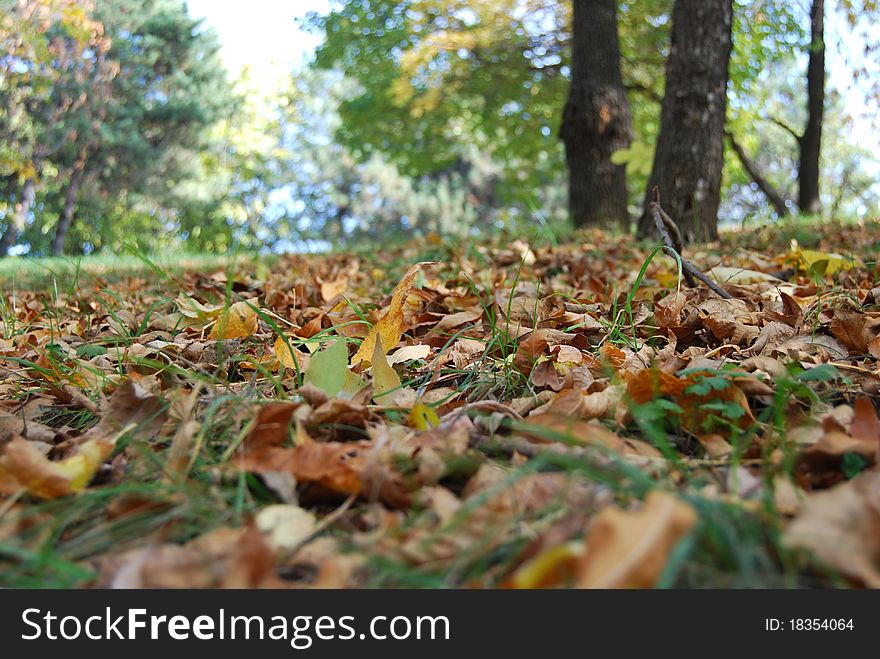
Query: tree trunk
[(811, 140), (763, 184), (19, 217), (596, 121), (690, 147), (67, 213)]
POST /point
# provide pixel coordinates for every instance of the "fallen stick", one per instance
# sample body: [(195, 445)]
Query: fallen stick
[(689, 269)]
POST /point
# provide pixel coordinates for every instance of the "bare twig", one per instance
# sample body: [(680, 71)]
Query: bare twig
[(669, 245)]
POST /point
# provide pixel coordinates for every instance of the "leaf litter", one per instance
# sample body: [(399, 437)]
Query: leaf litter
[(504, 415)]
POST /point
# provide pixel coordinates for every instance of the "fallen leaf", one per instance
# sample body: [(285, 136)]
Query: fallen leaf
[(22, 465), (854, 329), (286, 526), (409, 353), (422, 417), (740, 276), (629, 549), (328, 368), (390, 326), (386, 383), (841, 526), (237, 322), (823, 263), (289, 356)]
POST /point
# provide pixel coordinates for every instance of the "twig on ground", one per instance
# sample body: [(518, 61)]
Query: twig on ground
[(689, 269)]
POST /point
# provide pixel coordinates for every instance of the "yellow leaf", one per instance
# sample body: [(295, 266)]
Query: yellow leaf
[(390, 326), (289, 356), (823, 263), (23, 465), (548, 568), (237, 322), (422, 417), (386, 382)]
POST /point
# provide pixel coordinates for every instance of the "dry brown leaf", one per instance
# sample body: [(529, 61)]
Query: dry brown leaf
[(586, 433), (222, 558), (854, 329), (330, 289), (629, 549), (841, 526), (729, 321)]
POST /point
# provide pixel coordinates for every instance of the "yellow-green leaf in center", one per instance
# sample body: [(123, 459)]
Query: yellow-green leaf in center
[(390, 326), (385, 379), (239, 321), (327, 368)]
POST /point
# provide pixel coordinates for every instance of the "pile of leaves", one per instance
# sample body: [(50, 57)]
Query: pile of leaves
[(438, 415)]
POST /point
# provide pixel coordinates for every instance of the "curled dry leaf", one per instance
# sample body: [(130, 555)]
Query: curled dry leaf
[(24, 466), (729, 321)]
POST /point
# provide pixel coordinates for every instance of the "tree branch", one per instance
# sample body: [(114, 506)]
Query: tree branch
[(668, 245), (763, 184), (784, 126)]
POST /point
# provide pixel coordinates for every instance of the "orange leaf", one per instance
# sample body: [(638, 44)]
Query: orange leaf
[(649, 384)]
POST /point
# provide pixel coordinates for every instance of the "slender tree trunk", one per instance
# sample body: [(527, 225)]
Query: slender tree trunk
[(596, 121), (690, 147), (69, 209), (763, 184), (811, 140), (19, 217)]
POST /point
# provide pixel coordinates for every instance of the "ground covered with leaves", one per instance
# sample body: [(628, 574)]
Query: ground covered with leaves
[(435, 415)]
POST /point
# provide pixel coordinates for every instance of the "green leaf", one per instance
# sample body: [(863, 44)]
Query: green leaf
[(822, 373), (327, 368), (89, 350)]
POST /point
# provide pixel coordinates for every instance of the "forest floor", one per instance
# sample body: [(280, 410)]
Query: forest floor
[(436, 415)]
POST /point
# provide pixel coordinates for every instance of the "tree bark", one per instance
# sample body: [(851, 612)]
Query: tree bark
[(689, 156), (596, 121), (69, 209), (19, 217), (811, 141), (763, 184)]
